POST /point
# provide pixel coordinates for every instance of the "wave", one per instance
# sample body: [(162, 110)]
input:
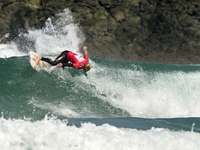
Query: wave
[(125, 100), (110, 89), (50, 133)]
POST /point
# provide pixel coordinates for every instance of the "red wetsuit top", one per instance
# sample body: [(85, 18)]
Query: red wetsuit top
[(77, 61)]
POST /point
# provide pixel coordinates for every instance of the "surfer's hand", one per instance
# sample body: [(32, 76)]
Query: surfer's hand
[(59, 65), (85, 47)]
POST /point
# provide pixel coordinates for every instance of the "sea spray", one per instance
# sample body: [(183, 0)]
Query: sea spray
[(58, 34)]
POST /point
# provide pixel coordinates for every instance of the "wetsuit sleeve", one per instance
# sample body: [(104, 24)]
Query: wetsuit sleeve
[(86, 57)]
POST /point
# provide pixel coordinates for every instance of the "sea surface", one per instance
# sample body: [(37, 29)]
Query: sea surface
[(115, 106)]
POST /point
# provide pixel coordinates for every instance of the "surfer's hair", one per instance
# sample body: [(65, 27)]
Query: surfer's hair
[(87, 67)]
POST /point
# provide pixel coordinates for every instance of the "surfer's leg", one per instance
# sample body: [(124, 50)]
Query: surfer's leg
[(62, 57), (53, 63)]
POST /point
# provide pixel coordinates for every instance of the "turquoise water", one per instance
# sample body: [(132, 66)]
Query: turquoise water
[(116, 105), (105, 93)]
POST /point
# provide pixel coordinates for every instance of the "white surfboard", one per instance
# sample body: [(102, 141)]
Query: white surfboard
[(41, 64)]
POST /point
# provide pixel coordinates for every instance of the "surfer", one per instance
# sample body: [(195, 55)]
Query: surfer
[(65, 57)]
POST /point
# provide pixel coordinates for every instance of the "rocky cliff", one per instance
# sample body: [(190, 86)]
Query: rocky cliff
[(166, 31)]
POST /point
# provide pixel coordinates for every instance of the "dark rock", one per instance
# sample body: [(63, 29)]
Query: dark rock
[(129, 30)]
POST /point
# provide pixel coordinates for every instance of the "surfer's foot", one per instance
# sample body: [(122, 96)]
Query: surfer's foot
[(38, 59)]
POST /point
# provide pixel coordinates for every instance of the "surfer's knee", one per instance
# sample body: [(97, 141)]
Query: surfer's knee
[(54, 63)]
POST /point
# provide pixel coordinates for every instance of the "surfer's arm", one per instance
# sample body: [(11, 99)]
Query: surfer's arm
[(85, 55), (85, 50), (75, 65)]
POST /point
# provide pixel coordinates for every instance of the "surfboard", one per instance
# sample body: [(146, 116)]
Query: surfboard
[(41, 65)]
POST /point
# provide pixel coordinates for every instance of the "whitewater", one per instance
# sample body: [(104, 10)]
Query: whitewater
[(116, 105)]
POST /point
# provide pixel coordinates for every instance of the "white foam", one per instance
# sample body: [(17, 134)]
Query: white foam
[(10, 50), (51, 134), (56, 37), (149, 95)]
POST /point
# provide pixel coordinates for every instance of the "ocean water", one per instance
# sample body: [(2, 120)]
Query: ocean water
[(116, 105)]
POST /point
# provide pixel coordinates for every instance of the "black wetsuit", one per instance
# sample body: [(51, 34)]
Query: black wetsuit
[(62, 58)]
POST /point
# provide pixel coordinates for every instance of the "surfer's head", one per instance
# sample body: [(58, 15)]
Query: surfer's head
[(87, 67)]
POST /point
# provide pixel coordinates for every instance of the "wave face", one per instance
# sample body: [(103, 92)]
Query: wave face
[(110, 89), (128, 101)]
